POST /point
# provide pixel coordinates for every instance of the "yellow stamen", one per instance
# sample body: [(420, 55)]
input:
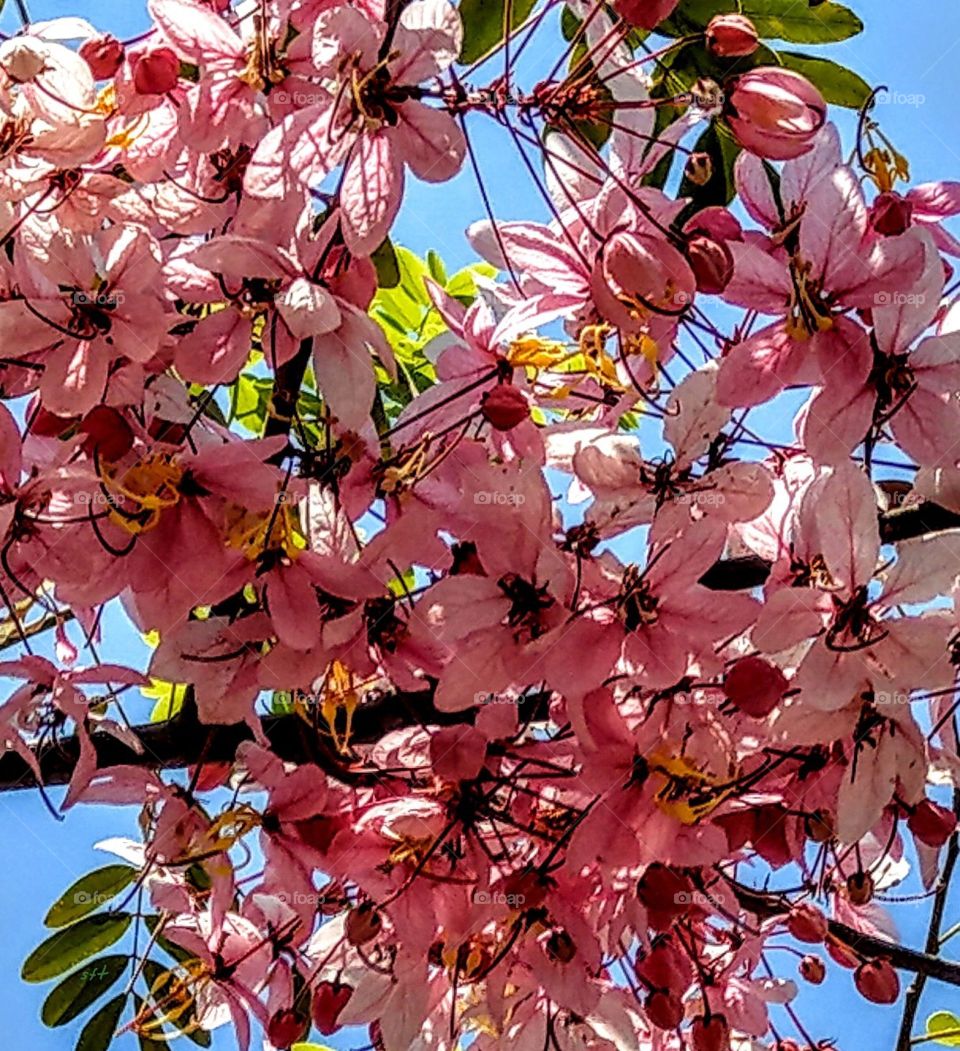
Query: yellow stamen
[(685, 793), (151, 485), (255, 532), (339, 693)]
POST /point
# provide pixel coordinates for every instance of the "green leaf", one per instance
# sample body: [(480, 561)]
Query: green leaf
[(75, 994), (435, 266), (89, 893), (791, 20), (64, 950), (800, 23), (484, 25), (97, 1034), (838, 85), (947, 1024), (385, 262)]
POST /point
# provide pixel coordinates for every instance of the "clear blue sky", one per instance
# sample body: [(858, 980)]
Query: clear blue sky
[(914, 48)]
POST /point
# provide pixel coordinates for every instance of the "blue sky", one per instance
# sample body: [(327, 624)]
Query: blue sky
[(913, 48)]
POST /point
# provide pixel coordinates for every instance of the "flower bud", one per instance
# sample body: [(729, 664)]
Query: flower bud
[(664, 1010), (644, 13), (107, 432), (731, 36), (664, 893), (860, 888), (103, 54), (560, 947), (710, 1034), (155, 72), (363, 924), (755, 685), (285, 1028), (698, 168), (712, 264), (807, 923), (877, 981), (819, 826), (931, 823), (504, 407), (775, 113), (329, 999), (891, 214), (812, 968)]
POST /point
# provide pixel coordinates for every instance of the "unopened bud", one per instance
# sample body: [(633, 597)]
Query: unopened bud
[(156, 71), (103, 54), (731, 36)]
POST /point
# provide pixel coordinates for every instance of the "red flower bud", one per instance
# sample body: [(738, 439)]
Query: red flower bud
[(931, 823), (644, 13), (663, 1010), (731, 36), (107, 432), (363, 924), (775, 113), (877, 981), (891, 214), (156, 71), (807, 923), (504, 407), (103, 54), (710, 1034), (285, 1028), (813, 969), (755, 686), (664, 893), (711, 262), (329, 999)]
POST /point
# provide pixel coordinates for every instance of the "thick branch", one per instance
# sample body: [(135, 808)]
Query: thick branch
[(766, 905), (183, 741), (179, 743)]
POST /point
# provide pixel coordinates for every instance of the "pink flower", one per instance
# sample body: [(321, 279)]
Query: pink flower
[(372, 120), (775, 113)]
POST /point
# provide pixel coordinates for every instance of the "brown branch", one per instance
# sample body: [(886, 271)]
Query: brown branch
[(766, 905), (915, 992), (183, 741), (179, 742)]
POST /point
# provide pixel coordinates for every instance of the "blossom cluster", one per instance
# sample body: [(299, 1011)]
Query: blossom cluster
[(578, 659)]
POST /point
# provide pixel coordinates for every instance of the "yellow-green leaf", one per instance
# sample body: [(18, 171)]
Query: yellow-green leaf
[(943, 1027), (88, 894), (61, 952), (484, 25), (838, 85)]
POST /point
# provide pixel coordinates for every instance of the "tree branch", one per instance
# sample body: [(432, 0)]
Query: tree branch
[(179, 742), (767, 905)]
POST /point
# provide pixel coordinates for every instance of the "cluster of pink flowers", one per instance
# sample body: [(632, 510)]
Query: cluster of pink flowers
[(620, 751)]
